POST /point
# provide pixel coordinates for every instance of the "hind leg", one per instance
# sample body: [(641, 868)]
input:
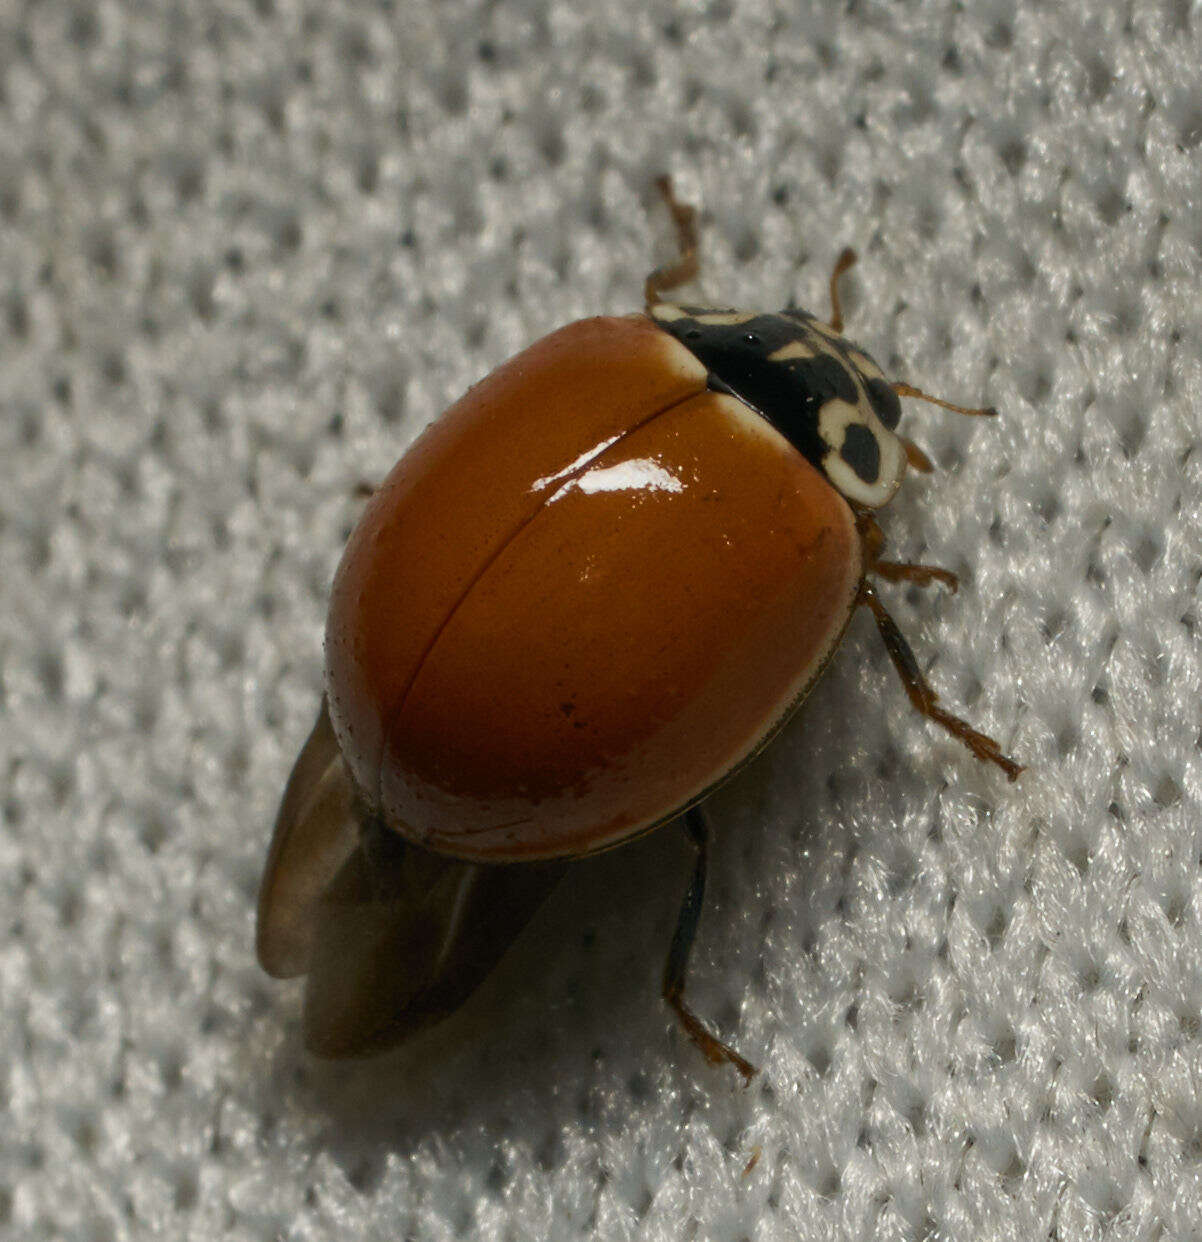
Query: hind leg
[(677, 965)]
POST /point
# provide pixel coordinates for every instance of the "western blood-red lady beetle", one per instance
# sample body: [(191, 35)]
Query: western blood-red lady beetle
[(587, 594)]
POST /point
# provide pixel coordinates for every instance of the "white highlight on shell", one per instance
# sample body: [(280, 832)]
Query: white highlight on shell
[(641, 475), (573, 467)]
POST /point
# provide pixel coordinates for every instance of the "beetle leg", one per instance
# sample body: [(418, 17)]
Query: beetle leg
[(920, 575), (915, 456), (677, 964), (897, 571), (846, 259), (925, 699), (684, 218), (908, 390)]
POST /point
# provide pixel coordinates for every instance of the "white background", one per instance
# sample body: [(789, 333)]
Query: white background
[(247, 251)]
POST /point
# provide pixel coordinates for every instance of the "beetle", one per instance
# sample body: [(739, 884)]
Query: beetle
[(583, 598)]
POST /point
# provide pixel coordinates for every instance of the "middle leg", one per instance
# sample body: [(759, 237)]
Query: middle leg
[(898, 571)]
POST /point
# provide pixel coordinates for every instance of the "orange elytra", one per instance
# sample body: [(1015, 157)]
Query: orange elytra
[(585, 596)]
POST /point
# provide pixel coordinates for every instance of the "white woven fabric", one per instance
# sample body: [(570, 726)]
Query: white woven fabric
[(247, 250)]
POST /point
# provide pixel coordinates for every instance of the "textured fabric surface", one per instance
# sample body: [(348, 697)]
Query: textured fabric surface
[(247, 251)]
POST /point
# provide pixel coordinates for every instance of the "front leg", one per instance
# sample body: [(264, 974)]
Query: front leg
[(919, 575), (897, 571)]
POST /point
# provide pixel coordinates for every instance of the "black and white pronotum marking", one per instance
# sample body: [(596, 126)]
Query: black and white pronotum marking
[(821, 392)]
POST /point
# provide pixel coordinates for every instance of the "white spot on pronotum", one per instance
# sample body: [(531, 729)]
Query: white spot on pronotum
[(825, 329), (864, 364), (834, 418), (666, 312), (794, 349), (725, 318), (825, 345)]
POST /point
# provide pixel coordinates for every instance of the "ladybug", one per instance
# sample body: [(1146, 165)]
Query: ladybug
[(586, 595)]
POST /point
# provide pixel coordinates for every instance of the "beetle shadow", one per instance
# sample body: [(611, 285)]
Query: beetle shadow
[(571, 1026), (542, 1044)]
